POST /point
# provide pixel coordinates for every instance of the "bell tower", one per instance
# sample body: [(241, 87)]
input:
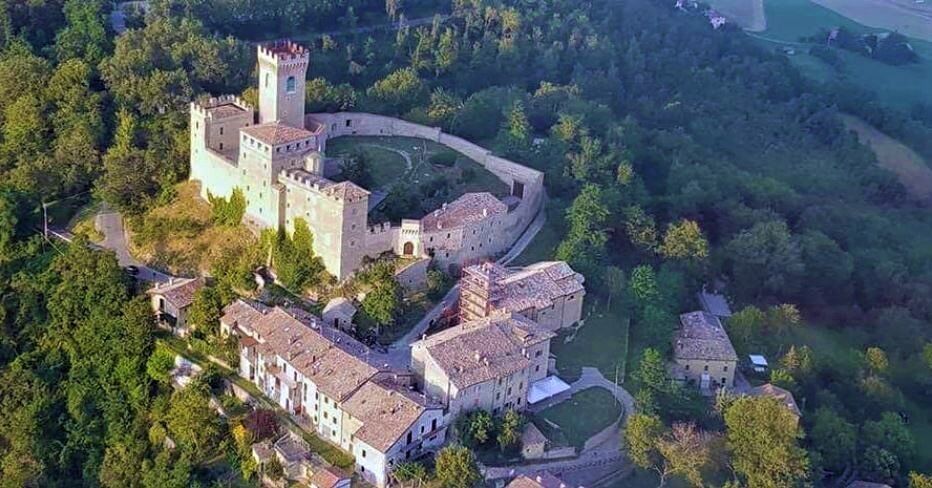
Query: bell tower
[(282, 79)]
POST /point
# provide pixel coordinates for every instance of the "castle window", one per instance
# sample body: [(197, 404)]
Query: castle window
[(221, 131), (221, 146), (291, 84), (349, 123), (267, 78)]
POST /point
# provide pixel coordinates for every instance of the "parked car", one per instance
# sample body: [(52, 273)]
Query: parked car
[(132, 270)]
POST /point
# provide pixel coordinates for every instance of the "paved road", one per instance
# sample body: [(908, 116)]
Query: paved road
[(110, 224)]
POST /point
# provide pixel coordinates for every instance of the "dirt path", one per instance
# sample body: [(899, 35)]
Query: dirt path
[(911, 169)]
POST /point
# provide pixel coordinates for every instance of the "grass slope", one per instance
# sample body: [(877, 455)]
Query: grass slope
[(912, 170)]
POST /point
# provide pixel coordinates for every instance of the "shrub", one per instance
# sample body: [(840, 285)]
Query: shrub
[(443, 158)]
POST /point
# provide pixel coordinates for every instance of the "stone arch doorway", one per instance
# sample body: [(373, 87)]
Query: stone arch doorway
[(408, 249)]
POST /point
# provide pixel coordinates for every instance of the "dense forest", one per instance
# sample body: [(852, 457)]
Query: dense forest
[(675, 155)]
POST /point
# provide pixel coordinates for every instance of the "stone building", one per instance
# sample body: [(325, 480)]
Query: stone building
[(275, 157), (171, 302), (321, 375), (487, 364), (703, 352), (549, 293)]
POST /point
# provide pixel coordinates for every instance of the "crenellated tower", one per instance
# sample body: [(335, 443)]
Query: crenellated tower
[(282, 80)]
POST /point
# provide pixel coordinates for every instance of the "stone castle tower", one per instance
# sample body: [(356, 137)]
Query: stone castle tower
[(282, 79)]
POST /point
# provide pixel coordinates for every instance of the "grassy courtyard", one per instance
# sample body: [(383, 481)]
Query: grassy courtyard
[(602, 342), (393, 160), (578, 418)]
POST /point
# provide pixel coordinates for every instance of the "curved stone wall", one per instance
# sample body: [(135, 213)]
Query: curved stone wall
[(525, 182)]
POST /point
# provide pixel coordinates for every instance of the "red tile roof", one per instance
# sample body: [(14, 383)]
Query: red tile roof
[(277, 133)]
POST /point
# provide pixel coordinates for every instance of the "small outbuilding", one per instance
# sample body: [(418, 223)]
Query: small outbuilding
[(781, 395), (339, 313), (758, 363), (533, 442)]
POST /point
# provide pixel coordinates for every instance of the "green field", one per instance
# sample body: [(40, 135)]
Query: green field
[(602, 343), (898, 86), (389, 163), (579, 417)]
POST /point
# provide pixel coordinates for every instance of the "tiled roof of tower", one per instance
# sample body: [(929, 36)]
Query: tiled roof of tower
[(276, 133), (537, 286), (469, 208), (332, 362), (702, 336), (345, 190), (480, 350), (179, 293), (226, 110), (386, 411)]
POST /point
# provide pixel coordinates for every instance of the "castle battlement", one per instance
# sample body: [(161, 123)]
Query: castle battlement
[(203, 107), (380, 228), (304, 179), (284, 51)]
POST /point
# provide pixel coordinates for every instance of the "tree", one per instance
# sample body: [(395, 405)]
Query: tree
[(509, 431), (206, 310), (261, 423), (782, 378), (410, 472), (160, 365), (192, 423), (684, 240), (383, 301), (745, 327), (890, 434), (228, 212), (766, 260), (687, 452), (642, 434), (356, 169), (876, 360), (834, 438), (85, 35), (456, 467), (477, 428), (761, 434), (399, 90), (615, 282), (641, 228), (274, 469), (516, 133), (919, 480), (643, 285)]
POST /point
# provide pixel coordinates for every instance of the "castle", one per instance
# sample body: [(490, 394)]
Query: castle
[(277, 161)]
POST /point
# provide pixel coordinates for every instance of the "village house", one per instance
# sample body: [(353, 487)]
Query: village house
[(541, 479), (703, 353), (171, 302), (298, 463), (321, 375), (533, 442), (549, 293), (488, 363)]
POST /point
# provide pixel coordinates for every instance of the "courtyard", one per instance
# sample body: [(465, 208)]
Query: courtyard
[(409, 160), (573, 421)]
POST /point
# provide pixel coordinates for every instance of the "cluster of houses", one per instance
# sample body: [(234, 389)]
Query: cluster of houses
[(497, 358)]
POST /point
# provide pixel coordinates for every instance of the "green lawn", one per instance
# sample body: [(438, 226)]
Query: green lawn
[(602, 342), (388, 167), (579, 417), (898, 86)]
